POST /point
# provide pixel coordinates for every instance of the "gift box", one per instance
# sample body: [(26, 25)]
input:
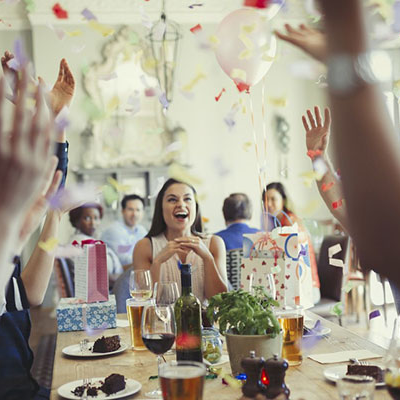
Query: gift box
[(91, 274), (282, 253), (75, 315)]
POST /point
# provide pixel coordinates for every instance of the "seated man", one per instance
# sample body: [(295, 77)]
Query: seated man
[(237, 210), (122, 235)]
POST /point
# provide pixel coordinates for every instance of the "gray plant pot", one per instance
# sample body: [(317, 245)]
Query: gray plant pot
[(239, 347)]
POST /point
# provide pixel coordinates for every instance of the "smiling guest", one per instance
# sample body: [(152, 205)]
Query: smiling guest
[(123, 235), (175, 235)]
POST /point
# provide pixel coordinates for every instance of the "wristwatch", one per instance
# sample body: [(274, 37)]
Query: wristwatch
[(348, 72)]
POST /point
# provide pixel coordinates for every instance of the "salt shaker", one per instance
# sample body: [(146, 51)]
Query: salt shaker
[(252, 366)]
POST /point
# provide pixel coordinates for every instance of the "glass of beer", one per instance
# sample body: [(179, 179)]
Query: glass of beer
[(182, 380), (291, 320), (134, 310)]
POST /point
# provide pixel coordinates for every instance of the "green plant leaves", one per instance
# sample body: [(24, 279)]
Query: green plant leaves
[(243, 313)]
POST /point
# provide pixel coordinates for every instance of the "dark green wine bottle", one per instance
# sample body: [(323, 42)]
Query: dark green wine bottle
[(188, 320)]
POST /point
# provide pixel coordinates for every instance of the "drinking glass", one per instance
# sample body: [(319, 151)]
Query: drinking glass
[(166, 293), (392, 362), (356, 387), (158, 334), (182, 380), (291, 320), (269, 285), (134, 309), (140, 284)]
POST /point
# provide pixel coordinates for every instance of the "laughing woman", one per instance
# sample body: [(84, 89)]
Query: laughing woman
[(175, 235)]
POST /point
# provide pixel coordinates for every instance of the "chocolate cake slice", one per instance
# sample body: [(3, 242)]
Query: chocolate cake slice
[(113, 383), (368, 370), (107, 344)]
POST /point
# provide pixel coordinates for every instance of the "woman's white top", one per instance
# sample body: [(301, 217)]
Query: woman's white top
[(169, 270)]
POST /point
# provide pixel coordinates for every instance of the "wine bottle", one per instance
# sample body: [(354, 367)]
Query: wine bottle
[(188, 320)]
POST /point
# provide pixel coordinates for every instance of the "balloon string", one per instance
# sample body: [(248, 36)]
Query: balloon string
[(264, 125), (258, 162)]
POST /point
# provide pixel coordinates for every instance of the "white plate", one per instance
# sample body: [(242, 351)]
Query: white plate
[(75, 351), (131, 387), (224, 359), (333, 374)]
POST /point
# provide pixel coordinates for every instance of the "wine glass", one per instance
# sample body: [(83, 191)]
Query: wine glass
[(392, 362), (268, 285), (166, 293), (158, 334), (140, 284)]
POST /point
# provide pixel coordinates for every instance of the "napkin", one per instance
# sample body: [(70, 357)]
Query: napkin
[(122, 323), (343, 356)]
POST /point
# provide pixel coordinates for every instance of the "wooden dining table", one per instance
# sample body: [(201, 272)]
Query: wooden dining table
[(305, 382)]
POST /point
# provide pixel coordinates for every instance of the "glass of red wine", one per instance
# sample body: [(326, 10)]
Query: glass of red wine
[(158, 334)]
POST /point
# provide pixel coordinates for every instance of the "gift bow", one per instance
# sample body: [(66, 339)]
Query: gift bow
[(87, 241)]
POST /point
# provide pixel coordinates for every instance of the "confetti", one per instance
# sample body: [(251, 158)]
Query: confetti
[(229, 119), (337, 309), (30, 5), (117, 186), (110, 195), (146, 21), (134, 103), (173, 147), (78, 48), (335, 249), (73, 196), (199, 76), (160, 182), (20, 59), (326, 186), (102, 29), (59, 12), (213, 40), (276, 270), (245, 54), (49, 245), (309, 177), (278, 101), (62, 119), (220, 167), (124, 248), (195, 5), (58, 31), (187, 95), (311, 207), (154, 131), (87, 14), (196, 28), (238, 73), (74, 33), (205, 220), (320, 167), (337, 204), (247, 146), (91, 109), (374, 314), (162, 98), (256, 3), (179, 173), (220, 94), (335, 262), (242, 86)]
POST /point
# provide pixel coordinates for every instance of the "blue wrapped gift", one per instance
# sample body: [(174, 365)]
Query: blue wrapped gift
[(74, 315)]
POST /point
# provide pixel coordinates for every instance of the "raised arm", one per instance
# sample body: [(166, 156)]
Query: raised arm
[(368, 149), (317, 139)]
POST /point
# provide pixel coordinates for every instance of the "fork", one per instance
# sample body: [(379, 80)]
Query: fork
[(357, 361), (83, 344)]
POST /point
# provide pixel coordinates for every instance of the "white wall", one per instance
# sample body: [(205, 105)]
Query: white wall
[(202, 117)]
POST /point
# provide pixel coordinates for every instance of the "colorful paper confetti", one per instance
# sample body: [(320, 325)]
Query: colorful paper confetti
[(59, 12), (238, 73), (278, 101), (336, 262), (326, 186), (62, 120), (220, 94), (195, 5), (337, 309), (196, 28), (49, 245), (117, 186), (199, 76), (102, 29), (335, 249), (179, 173), (256, 3), (87, 14), (374, 314), (337, 204)]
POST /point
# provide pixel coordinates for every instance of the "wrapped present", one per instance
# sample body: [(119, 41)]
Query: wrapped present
[(282, 253), (91, 275), (75, 315)]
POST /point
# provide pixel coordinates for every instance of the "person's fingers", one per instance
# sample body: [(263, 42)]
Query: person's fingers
[(305, 124), (306, 28), (317, 116), (1, 111), (55, 184), (36, 120), (290, 29), (19, 108), (60, 72), (69, 77), (327, 115), (311, 119)]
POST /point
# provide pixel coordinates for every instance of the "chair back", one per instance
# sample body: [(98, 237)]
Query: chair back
[(63, 269), (233, 261), (331, 277)]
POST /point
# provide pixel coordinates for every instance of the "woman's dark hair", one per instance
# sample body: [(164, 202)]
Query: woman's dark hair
[(281, 189), (76, 213), (237, 206), (158, 224)]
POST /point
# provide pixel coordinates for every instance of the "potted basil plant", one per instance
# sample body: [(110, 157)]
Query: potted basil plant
[(248, 322)]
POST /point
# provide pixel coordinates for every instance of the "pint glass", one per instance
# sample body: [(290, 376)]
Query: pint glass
[(134, 310)]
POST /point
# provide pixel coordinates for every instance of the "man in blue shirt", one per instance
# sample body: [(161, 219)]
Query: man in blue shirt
[(237, 211), (122, 235)]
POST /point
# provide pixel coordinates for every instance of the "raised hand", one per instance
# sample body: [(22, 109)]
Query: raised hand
[(317, 132), (63, 90), (312, 41), (24, 153), (10, 74)]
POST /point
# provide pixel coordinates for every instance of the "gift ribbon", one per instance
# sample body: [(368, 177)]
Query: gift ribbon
[(87, 241)]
